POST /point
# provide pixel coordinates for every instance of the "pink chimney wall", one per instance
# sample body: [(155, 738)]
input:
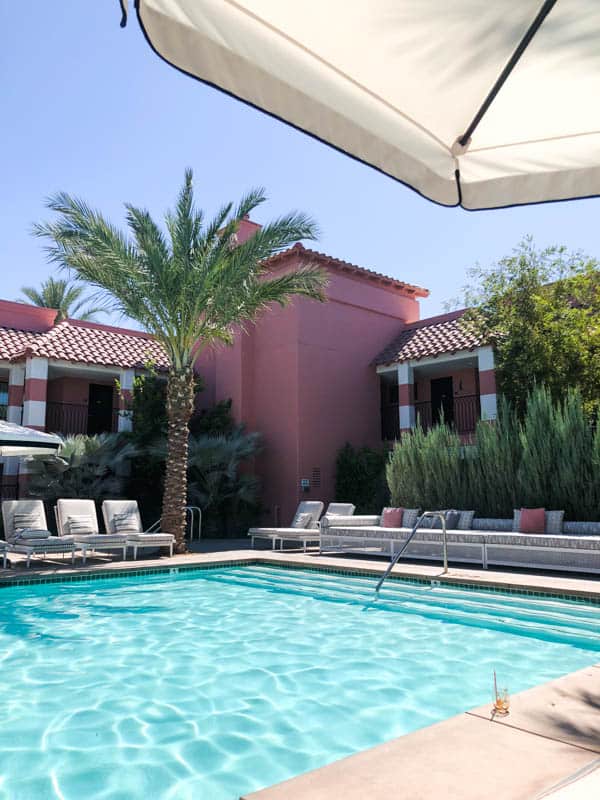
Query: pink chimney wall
[(338, 385), (25, 317), (302, 376)]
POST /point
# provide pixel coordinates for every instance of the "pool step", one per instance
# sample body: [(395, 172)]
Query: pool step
[(531, 608), (570, 623)]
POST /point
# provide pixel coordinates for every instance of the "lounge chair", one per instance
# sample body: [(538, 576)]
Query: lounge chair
[(78, 519), (124, 516), (304, 527), (3, 552), (26, 531)]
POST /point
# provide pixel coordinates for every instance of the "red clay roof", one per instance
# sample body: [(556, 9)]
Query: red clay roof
[(85, 343), (429, 338), (13, 342), (344, 266)]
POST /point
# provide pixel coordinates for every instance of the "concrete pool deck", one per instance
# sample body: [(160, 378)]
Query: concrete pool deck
[(551, 734), (548, 746), (223, 551)]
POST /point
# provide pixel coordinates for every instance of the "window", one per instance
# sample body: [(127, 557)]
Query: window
[(3, 399)]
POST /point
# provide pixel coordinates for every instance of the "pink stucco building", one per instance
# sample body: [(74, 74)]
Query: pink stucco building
[(310, 377)]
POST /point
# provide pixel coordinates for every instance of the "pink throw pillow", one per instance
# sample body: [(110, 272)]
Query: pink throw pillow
[(533, 520), (392, 517)]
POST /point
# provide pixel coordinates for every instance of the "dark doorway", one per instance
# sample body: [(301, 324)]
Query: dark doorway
[(100, 409), (442, 400)]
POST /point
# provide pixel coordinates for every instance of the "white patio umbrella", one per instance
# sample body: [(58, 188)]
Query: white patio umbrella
[(469, 102), (15, 440)]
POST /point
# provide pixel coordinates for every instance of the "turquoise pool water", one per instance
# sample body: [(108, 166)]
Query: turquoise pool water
[(215, 683)]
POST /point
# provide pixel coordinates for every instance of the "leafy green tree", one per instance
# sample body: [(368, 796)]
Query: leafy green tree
[(190, 286), (63, 295), (541, 311)]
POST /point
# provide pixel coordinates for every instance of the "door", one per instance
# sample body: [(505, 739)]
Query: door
[(442, 400), (100, 409)]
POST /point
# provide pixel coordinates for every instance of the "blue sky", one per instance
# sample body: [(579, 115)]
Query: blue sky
[(88, 108)]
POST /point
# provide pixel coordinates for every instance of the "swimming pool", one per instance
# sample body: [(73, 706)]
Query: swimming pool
[(213, 683)]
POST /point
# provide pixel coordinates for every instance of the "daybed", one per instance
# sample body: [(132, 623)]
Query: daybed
[(575, 547)]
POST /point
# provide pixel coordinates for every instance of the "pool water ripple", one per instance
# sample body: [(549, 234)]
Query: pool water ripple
[(216, 683)]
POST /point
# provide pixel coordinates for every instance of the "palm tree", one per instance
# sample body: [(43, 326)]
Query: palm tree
[(64, 296), (189, 286)]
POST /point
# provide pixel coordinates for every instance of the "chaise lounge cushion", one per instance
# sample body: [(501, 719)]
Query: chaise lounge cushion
[(65, 543), (354, 521), (29, 534)]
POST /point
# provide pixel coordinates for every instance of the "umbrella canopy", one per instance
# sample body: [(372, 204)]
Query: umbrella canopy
[(15, 440), (470, 103)]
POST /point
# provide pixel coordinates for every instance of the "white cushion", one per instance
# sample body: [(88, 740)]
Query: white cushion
[(125, 523), (33, 533), (81, 523)]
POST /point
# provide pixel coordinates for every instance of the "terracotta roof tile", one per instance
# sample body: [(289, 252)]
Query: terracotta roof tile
[(85, 343), (13, 342), (346, 266), (430, 338)]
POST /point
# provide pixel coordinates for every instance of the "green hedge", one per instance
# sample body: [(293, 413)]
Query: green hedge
[(549, 458), (360, 478)]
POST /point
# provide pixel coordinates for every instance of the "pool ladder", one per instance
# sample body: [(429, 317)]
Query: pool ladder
[(440, 515)]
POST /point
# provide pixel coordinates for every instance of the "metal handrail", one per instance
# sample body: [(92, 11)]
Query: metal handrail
[(195, 514), (394, 561), (195, 520)]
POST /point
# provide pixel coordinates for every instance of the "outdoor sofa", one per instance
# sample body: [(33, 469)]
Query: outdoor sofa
[(26, 532), (566, 546), (305, 526)]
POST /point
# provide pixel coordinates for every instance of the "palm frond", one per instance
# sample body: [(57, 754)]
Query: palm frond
[(189, 288)]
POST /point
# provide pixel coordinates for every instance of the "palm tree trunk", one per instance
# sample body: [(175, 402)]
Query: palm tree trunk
[(180, 405)]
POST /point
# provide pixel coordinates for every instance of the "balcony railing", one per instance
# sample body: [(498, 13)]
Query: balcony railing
[(462, 413), (72, 418)]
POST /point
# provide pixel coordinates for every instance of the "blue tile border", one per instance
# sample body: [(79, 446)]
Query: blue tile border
[(177, 569)]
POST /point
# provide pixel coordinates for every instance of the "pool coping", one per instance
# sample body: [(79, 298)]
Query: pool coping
[(533, 756)]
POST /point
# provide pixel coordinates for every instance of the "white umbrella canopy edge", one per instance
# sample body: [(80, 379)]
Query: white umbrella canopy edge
[(397, 85), (17, 440)]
